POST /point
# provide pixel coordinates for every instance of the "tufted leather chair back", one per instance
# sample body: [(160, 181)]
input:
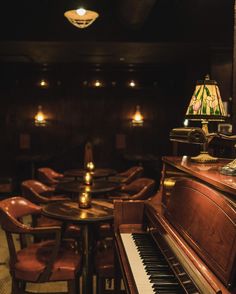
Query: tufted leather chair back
[(141, 188), (48, 176), (131, 174), (33, 190)]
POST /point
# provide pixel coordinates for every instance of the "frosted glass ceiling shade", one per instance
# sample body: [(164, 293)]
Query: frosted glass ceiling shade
[(81, 18)]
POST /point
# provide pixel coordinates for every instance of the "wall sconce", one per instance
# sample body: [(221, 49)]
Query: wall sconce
[(137, 119), (40, 119), (97, 84), (132, 84), (43, 83)]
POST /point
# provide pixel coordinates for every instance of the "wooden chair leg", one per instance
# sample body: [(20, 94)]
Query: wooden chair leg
[(15, 289), (74, 286), (100, 285)]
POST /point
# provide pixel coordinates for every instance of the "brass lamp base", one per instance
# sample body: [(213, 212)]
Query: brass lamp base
[(204, 157)]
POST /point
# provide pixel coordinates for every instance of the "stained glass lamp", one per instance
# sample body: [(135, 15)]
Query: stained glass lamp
[(206, 105)]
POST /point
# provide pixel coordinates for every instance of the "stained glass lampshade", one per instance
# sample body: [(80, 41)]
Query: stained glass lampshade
[(206, 105)]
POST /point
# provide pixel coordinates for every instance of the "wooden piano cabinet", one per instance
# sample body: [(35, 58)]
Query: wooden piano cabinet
[(176, 166), (194, 214)]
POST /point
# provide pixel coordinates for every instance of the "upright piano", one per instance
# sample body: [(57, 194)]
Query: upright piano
[(182, 240)]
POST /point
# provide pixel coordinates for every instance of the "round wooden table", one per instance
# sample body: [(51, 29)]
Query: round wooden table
[(97, 187), (100, 211), (97, 173)]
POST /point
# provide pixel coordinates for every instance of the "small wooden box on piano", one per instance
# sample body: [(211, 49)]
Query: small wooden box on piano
[(187, 245)]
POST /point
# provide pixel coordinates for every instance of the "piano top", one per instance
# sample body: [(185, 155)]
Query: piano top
[(206, 172)]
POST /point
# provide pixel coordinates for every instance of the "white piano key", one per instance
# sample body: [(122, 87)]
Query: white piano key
[(140, 275)]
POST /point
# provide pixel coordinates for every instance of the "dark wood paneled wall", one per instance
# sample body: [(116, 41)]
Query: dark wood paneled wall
[(79, 113)]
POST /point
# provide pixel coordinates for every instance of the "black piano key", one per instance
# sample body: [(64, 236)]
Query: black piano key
[(160, 274), (163, 280), (167, 287), (156, 266)]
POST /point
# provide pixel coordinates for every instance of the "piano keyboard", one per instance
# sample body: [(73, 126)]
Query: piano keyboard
[(151, 271)]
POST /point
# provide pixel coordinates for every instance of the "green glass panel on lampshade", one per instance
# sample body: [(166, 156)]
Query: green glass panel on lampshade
[(206, 102), (206, 105)]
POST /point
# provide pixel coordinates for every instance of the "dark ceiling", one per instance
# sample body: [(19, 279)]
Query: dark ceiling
[(127, 31)]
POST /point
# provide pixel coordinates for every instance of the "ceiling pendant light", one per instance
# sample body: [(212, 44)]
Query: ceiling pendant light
[(81, 18)]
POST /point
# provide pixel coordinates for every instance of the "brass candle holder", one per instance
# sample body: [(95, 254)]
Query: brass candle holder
[(84, 199)]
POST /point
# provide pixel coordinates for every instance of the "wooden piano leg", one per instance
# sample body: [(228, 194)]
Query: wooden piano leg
[(118, 276)]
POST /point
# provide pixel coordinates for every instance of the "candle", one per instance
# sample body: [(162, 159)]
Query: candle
[(84, 200), (90, 166), (87, 178)]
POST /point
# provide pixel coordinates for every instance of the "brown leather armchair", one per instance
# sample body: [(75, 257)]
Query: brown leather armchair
[(49, 176), (45, 261), (128, 176), (139, 189), (36, 192), (40, 193)]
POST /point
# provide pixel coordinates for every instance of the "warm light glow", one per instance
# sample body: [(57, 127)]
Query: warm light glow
[(39, 118), (43, 83), (83, 214), (88, 178), (185, 123), (97, 84), (90, 166), (81, 18), (137, 119), (84, 199), (206, 102), (81, 11), (132, 84), (206, 105), (87, 189)]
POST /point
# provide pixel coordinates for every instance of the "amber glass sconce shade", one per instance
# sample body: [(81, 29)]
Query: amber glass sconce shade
[(40, 119), (137, 118), (206, 105)]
